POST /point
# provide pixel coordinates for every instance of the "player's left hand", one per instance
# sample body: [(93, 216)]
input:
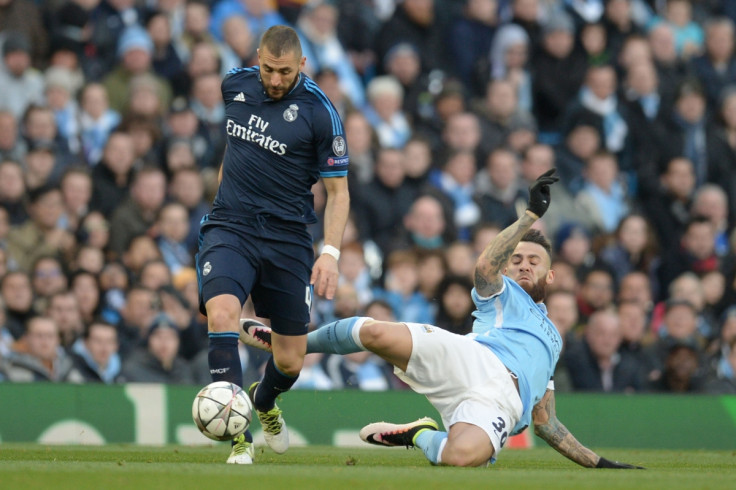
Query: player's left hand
[(324, 276), (607, 463)]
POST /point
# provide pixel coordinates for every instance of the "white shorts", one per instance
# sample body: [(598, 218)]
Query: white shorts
[(464, 381)]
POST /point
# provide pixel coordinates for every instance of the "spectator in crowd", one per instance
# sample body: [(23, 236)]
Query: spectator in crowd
[(636, 286), (668, 205), (633, 247), (562, 310), (558, 73), (455, 305), (618, 22), (63, 308), (427, 224), (22, 84), (580, 144), (239, 44), (456, 180), (431, 269), (47, 277), (60, 93), (173, 226), (722, 149), (716, 67), (166, 59), (137, 214), (635, 333), (76, 194), (317, 28), (112, 176), (696, 252), (41, 131), (603, 195), (158, 360), (12, 191), (17, 295), (499, 189), (688, 34), (155, 274), (260, 14), (400, 288), (384, 111), (86, 288), (573, 244), (595, 364), (363, 144), (711, 201), (470, 40), (40, 235), (671, 69), (135, 50), (96, 121), (385, 200), (681, 326), (43, 359), (597, 292), (12, 146), (96, 354), (723, 381), (419, 23)]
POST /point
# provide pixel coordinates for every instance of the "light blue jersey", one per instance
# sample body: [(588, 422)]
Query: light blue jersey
[(518, 331)]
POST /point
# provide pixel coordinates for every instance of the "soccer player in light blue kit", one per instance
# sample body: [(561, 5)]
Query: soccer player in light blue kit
[(487, 385)]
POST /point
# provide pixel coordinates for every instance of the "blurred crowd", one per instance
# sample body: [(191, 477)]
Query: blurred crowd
[(111, 134)]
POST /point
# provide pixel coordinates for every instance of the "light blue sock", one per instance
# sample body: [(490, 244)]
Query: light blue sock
[(431, 442), (340, 337)]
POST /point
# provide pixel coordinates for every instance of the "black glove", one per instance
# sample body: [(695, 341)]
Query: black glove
[(539, 193), (605, 463)]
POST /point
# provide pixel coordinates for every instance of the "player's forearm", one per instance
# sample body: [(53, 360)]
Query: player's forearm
[(548, 427), (495, 257), (558, 437), (337, 209)]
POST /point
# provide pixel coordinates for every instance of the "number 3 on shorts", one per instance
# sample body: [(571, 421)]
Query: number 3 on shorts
[(498, 428)]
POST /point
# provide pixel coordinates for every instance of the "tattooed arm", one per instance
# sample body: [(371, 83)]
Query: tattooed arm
[(493, 260), (549, 428)]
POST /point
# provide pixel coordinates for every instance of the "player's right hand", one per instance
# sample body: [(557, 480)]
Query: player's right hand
[(615, 465), (539, 197)]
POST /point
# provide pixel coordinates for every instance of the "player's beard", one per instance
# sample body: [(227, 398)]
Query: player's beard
[(538, 290)]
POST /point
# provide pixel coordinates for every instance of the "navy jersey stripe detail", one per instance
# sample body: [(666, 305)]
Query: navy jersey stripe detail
[(241, 69), (333, 174), (336, 125)]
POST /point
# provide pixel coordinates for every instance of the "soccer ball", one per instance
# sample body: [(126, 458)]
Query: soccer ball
[(222, 410)]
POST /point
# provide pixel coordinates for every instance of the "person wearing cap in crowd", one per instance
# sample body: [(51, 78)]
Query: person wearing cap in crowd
[(135, 51), (158, 361), (22, 85)]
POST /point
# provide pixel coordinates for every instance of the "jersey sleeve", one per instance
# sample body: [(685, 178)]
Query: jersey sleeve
[(332, 148)]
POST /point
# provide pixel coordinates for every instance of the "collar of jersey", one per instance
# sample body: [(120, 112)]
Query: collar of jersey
[(263, 90)]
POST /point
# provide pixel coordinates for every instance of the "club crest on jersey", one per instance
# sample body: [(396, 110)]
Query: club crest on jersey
[(291, 114), (338, 146), (206, 269)]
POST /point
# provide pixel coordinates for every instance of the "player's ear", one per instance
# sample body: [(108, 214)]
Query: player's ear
[(302, 63), (550, 276)]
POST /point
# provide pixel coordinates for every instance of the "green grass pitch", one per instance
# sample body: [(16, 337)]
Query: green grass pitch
[(28, 466)]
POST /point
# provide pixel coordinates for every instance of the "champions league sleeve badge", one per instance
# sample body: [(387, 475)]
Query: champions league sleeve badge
[(338, 146), (291, 114)]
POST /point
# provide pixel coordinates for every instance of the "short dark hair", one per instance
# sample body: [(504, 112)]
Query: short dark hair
[(280, 40), (536, 236)]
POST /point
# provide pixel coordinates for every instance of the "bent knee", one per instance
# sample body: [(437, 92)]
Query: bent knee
[(289, 365), (375, 334), (223, 320), (463, 455)]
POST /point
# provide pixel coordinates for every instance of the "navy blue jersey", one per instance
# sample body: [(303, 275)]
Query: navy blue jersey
[(276, 150)]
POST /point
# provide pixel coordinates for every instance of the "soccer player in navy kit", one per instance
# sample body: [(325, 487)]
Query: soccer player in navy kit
[(283, 134), (487, 385)]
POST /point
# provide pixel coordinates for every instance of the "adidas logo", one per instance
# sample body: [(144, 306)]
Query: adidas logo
[(240, 97)]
